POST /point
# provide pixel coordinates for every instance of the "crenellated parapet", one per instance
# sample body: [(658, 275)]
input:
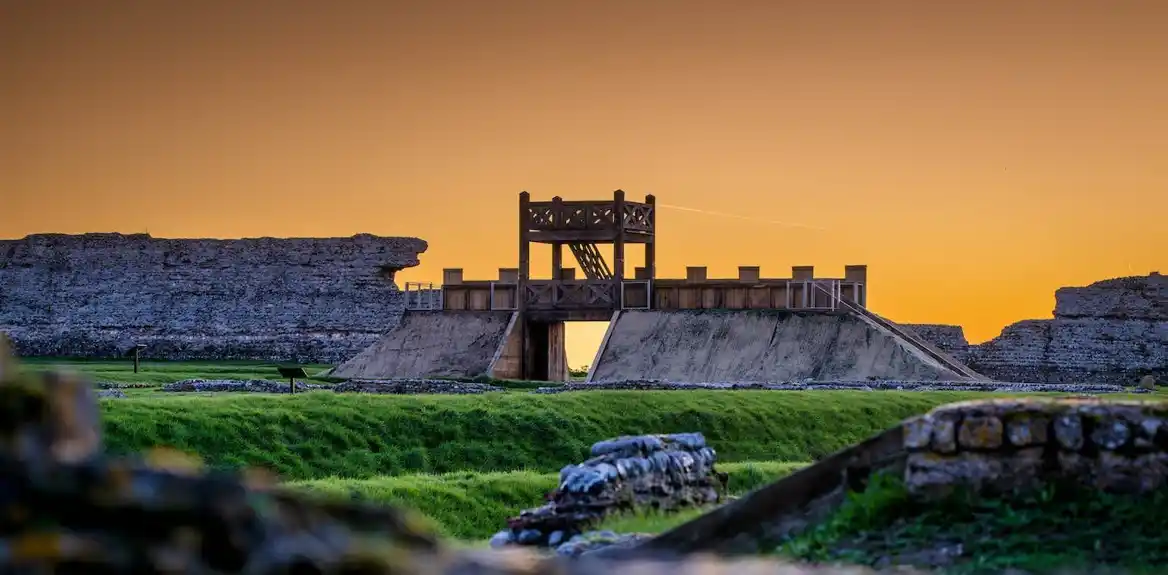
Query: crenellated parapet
[(568, 293)]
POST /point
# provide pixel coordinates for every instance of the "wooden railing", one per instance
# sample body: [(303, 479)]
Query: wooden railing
[(553, 216), (924, 345), (570, 294), (423, 296)]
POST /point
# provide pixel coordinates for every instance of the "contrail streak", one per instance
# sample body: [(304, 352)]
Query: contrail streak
[(738, 217)]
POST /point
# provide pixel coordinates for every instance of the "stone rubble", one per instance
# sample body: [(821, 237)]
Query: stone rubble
[(235, 385), (994, 386), (111, 393), (414, 386), (658, 472), (123, 385)]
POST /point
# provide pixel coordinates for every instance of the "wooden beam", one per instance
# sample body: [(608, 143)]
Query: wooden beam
[(586, 237), (618, 246), (524, 274), (651, 246)]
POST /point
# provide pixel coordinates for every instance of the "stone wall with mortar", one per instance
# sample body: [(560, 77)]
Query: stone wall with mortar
[(299, 299), (1002, 445), (1113, 332)]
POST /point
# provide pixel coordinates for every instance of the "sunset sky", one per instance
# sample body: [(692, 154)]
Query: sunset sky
[(976, 155)]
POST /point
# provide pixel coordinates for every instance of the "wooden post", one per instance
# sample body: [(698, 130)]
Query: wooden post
[(524, 274), (558, 247), (136, 359), (651, 245), (291, 385), (618, 245)]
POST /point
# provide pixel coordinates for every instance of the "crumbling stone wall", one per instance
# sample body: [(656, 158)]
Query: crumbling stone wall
[(948, 338), (1139, 298), (1113, 332), (302, 299), (1003, 445)]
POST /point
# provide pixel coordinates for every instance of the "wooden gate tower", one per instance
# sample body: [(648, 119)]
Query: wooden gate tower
[(540, 307)]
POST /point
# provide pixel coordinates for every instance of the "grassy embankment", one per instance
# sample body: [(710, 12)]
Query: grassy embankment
[(454, 458), (1057, 528), (472, 505), (321, 434), (470, 461)]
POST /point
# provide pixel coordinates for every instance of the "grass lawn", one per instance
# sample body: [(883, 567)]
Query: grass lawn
[(473, 506), (322, 434), (1056, 528)]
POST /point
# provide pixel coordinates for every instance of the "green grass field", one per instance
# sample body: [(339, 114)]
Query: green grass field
[(468, 462), (473, 505), (322, 434), (1056, 529)]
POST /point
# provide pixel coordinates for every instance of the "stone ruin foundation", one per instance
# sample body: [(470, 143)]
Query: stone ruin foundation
[(660, 472), (1000, 446)]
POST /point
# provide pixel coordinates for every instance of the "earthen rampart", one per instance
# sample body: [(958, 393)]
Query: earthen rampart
[(297, 299)]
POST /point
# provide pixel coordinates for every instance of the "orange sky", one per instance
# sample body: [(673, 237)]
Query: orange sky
[(976, 155)]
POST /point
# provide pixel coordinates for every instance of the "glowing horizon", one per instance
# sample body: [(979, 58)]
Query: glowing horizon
[(976, 156)]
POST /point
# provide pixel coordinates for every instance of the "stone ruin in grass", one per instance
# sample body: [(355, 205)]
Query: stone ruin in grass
[(236, 386), (1000, 446), (647, 472), (992, 448)]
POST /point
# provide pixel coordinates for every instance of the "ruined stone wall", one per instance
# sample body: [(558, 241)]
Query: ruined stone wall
[(1132, 298), (301, 299), (999, 446), (1111, 332), (949, 338)]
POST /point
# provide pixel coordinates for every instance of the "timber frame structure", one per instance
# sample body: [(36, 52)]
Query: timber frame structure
[(541, 306)]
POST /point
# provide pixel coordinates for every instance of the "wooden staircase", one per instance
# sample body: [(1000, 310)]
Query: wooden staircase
[(591, 262)]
